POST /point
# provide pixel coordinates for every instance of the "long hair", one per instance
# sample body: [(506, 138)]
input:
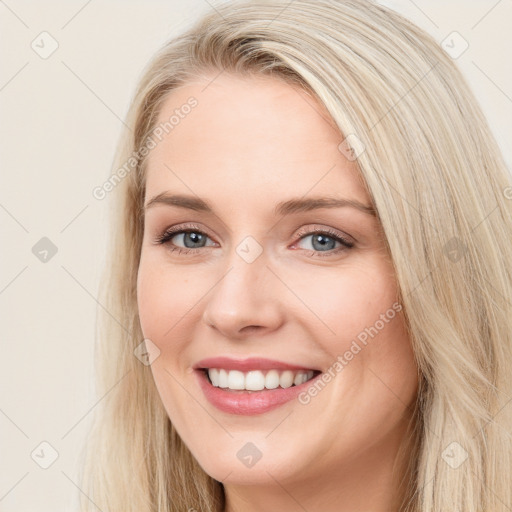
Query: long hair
[(442, 193)]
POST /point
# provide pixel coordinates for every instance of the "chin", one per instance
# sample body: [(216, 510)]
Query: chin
[(241, 469)]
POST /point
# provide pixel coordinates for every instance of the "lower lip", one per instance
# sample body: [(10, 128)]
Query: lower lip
[(245, 402)]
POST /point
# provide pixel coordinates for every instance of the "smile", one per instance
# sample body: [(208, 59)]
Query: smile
[(243, 401), (257, 380)]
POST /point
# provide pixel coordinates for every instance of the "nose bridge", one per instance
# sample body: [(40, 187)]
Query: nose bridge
[(244, 295)]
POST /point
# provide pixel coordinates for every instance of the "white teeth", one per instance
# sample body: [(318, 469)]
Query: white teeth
[(236, 380), (272, 379), (300, 378), (213, 373), (286, 379), (223, 379), (256, 380)]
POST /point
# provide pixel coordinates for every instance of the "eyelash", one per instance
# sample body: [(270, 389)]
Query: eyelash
[(165, 237)]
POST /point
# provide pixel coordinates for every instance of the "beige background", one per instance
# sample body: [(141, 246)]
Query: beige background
[(60, 119)]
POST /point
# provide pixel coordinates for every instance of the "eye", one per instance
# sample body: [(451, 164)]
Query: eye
[(190, 236), (324, 241)]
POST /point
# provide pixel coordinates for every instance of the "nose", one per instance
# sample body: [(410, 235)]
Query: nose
[(245, 300)]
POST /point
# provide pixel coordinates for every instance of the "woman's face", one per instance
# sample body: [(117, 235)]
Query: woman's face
[(253, 268)]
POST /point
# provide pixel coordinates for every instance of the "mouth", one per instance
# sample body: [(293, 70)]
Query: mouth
[(246, 393), (257, 380), (253, 385)]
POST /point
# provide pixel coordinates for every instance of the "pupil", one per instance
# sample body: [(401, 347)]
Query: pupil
[(324, 241), (196, 238)]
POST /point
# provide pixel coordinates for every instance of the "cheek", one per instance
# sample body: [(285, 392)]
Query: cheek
[(153, 303), (165, 310), (164, 296), (348, 300), (361, 320)]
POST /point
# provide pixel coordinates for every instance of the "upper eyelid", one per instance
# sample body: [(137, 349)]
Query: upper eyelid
[(328, 230)]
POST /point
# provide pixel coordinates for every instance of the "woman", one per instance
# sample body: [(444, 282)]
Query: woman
[(309, 292)]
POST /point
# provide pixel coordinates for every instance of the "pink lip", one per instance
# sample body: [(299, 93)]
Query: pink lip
[(245, 365), (248, 402)]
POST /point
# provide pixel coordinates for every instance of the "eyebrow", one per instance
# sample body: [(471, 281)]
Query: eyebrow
[(282, 209)]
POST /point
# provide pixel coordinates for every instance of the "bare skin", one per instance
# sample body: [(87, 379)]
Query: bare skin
[(249, 144)]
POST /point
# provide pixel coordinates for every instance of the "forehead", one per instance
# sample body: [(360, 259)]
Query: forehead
[(250, 139)]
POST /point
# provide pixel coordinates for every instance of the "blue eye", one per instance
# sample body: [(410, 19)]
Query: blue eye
[(192, 238), (323, 241)]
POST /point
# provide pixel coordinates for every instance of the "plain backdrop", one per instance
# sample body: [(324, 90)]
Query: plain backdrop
[(61, 115)]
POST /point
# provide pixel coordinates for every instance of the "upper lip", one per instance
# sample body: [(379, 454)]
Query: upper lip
[(244, 365)]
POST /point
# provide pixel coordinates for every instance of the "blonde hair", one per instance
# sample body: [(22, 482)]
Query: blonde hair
[(439, 185)]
